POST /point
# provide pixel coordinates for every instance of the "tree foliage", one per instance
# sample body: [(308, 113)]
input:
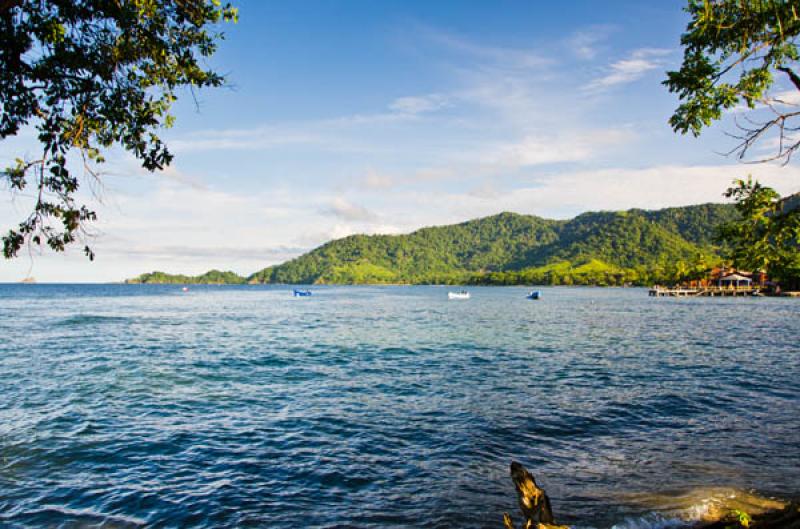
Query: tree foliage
[(767, 237), (212, 277), (733, 50), (87, 75), (602, 248)]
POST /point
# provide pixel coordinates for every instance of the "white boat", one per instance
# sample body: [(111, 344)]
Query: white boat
[(458, 295)]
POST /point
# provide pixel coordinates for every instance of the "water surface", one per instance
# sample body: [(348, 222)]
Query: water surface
[(141, 405)]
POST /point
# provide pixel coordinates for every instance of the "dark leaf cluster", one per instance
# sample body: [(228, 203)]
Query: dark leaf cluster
[(87, 75)]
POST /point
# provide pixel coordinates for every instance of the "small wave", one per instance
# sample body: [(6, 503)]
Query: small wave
[(91, 319), (703, 505), (650, 521), (60, 516)]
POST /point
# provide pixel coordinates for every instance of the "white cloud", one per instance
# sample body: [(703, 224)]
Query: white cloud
[(568, 194), (584, 44), (544, 149), (630, 69), (565, 195), (430, 174), (654, 187), (346, 133), (258, 138), (501, 56), (183, 229), (375, 180), (482, 136), (341, 208)]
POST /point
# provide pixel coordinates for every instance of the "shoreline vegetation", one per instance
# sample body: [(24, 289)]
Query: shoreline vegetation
[(609, 248)]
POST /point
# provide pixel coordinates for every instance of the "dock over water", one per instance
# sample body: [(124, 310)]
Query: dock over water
[(709, 291)]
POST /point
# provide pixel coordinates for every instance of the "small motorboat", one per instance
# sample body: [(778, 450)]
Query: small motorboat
[(534, 294), (458, 295), (301, 293)]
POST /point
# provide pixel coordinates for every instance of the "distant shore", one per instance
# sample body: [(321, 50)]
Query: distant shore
[(791, 294), (460, 279)]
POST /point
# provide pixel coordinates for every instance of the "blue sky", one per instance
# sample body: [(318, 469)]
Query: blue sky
[(381, 117)]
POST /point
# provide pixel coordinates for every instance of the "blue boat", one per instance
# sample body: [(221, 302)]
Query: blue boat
[(534, 294), (301, 293)]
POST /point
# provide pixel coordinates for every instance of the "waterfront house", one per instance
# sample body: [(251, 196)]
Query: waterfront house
[(734, 280), (728, 278)]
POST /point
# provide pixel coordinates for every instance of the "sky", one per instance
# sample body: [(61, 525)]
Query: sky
[(350, 116)]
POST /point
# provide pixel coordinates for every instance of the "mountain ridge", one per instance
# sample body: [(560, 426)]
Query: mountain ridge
[(604, 248)]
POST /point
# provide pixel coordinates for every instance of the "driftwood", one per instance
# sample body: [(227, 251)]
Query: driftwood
[(537, 513)]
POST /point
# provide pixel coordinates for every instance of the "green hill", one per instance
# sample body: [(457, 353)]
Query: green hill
[(212, 277), (601, 248)]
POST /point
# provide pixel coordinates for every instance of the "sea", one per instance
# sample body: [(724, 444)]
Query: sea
[(126, 406)]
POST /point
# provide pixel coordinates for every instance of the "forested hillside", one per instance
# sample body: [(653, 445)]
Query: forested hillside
[(602, 248), (212, 277)]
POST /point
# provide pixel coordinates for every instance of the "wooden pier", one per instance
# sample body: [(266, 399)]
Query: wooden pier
[(681, 292)]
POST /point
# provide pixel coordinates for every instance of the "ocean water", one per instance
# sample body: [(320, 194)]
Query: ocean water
[(145, 406)]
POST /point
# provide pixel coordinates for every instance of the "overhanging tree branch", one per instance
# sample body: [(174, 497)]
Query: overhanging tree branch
[(87, 75), (733, 49), (793, 76)]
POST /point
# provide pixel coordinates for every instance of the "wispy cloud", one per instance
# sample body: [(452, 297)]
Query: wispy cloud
[(188, 230), (505, 56), (585, 44), (630, 69), (375, 180), (257, 138), (430, 174), (491, 125), (323, 134), (564, 195), (420, 104), (492, 88), (341, 208), (205, 254), (545, 149)]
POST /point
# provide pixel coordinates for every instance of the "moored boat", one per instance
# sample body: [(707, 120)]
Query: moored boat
[(301, 293), (458, 295)]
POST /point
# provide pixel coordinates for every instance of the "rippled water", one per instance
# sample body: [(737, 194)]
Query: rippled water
[(131, 405)]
